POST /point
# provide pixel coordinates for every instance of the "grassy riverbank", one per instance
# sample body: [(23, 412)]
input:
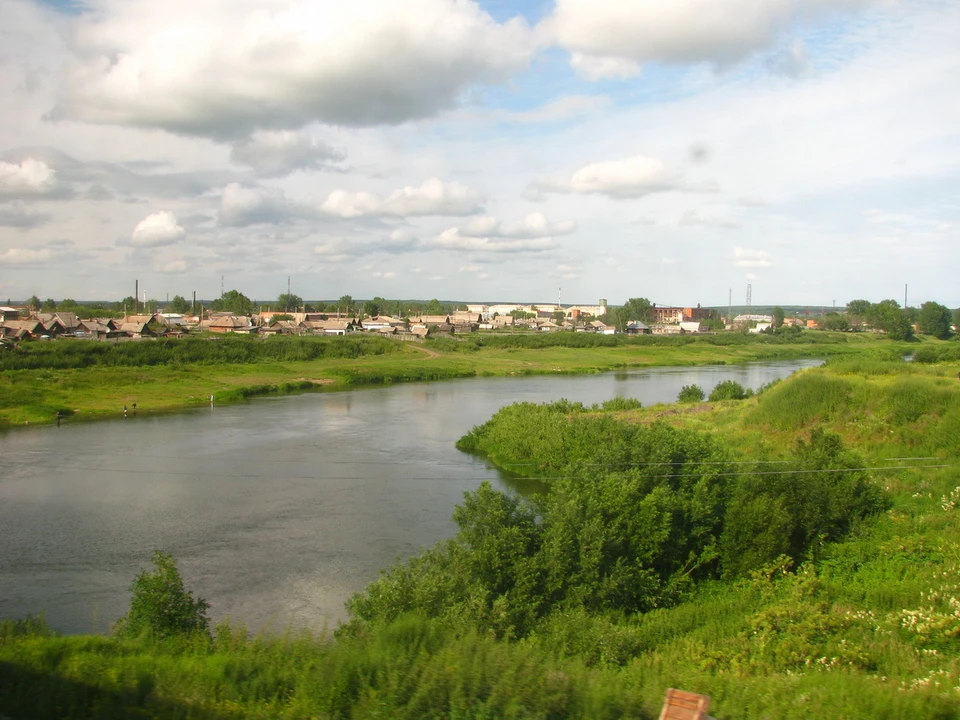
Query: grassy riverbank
[(863, 623), (174, 375)]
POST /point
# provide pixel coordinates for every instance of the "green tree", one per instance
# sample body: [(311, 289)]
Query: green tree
[(129, 303), (434, 308), (34, 302), (374, 307), (886, 315), (691, 393), (179, 304), (778, 317), (160, 605), (233, 301), (636, 309), (956, 319), (289, 302), (934, 320), (729, 390), (859, 308), (50, 305), (834, 321), (346, 304)]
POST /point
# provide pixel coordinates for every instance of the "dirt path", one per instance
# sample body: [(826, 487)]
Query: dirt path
[(430, 353)]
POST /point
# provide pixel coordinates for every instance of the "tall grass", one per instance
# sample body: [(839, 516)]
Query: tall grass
[(227, 349)]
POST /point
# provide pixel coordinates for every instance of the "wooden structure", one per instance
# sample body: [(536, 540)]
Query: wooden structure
[(683, 705)]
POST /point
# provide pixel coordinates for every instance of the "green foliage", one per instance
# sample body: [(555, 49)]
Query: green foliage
[(374, 307), (620, 404), (691, 394), (289, 302), (233, 301), (201, 351), (934, 319), (160, 605), (729, 390), (835, 321), (886, 315), (179, 304), (778, 317), (792, 508), (811, 397)]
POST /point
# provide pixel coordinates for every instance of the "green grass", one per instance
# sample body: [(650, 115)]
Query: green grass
[(869, 630), (236, 368)]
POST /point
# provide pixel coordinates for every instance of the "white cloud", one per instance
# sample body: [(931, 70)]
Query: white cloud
[(433, 197), (708, 218), (610, 38), (282, 63), (242, 206), (398, 242), (25, 256), (567, 272), (632, 177), (749, 258), (28, 178), (563, 108), (595, 68), (452, 240), (19, 216), (276, 154), (158, 229), (175, 267), (534, 225)]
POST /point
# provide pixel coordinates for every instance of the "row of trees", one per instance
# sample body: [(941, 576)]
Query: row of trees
[(236, 302)]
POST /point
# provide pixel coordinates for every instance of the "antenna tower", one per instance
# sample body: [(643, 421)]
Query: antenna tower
[(749, 297)]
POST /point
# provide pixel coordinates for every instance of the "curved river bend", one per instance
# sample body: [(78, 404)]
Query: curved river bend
[(277, 510)]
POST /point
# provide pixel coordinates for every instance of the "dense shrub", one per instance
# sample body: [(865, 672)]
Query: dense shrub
[(794, 508), (64, 354), (160, 605), (729, 390), (620, 404), (691, 394)]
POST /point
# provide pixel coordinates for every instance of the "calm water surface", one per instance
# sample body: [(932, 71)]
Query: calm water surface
[(277, 510)]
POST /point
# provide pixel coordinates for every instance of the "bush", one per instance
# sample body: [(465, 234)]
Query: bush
[(160, 606), (729, 390), (621, 403), (691, 394)]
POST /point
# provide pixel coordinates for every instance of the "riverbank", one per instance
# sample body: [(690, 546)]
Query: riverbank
[(865, 626), (35, 396)]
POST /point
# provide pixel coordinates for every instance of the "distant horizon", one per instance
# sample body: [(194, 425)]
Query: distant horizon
[(449, 148)]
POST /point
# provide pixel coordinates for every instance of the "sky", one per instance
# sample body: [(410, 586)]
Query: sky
[(489, 150)]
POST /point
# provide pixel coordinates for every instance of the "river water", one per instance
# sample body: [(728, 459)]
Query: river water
[(278, 509)]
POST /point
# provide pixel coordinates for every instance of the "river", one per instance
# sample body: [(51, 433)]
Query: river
[(277, 509)]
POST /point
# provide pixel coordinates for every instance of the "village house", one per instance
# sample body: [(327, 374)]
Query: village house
[(333, 327), (635, 327)]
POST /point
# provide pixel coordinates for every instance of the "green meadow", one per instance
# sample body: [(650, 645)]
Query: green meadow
[(86, 380), (793, 554)]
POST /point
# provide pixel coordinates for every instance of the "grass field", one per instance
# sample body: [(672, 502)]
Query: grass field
[(868, 628), (86, 393)]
